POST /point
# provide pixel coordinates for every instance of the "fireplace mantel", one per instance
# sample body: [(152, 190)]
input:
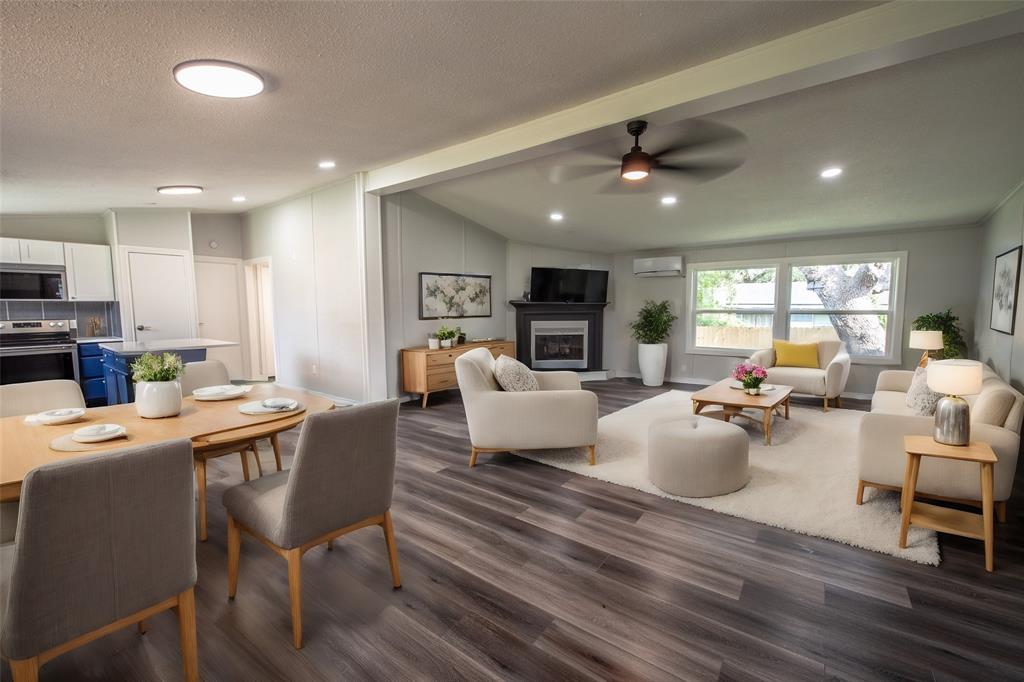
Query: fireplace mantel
[(530, 311)]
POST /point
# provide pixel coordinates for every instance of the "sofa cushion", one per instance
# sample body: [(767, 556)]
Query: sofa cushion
[(992, 407), (795, 354), (802, 379), (920, 398), (891, 402), (513, 375)]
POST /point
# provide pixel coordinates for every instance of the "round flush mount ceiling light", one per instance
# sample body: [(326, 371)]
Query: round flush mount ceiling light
[(833, 172), (557, 217), (239, 199), (180, 189), (218, 78), (668, 201), (327, 165)]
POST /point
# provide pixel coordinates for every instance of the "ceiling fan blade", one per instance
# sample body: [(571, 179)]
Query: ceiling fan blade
[(556, 175), (619, 186), (700, 171), (702, 136)]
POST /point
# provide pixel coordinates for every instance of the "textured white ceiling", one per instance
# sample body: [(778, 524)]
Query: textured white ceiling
[(91, 118), (935, 141)]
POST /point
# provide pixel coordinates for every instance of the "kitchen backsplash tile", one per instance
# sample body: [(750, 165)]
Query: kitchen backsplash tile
[(58, 310), (106, 313), (25, 310)]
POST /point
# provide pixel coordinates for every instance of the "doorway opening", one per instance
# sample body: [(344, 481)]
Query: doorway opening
[(259, 295)]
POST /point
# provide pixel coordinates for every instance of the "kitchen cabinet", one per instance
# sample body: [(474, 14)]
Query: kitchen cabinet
[(10, 250), (89, 272), (38, 252), (91, 375)]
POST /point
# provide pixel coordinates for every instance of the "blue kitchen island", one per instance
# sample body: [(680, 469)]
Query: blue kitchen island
[(118, 357)]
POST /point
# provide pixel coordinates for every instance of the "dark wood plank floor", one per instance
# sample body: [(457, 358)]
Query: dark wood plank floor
[(514, 570)]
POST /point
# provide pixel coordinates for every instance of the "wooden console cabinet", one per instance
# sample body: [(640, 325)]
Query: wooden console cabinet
[(428, 371)]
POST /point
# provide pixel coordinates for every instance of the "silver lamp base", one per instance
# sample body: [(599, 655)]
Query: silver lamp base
[(952, 421)]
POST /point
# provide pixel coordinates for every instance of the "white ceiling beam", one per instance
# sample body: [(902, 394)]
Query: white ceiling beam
[(882, 36)]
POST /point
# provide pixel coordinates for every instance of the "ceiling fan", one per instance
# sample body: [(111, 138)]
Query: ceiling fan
[(637, 167)]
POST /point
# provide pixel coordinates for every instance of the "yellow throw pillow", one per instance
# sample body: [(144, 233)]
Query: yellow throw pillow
[(795, 354)]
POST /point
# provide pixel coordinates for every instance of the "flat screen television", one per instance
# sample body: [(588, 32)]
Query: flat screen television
[(563, 285)]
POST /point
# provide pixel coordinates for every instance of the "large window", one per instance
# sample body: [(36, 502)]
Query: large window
[(740, 307)]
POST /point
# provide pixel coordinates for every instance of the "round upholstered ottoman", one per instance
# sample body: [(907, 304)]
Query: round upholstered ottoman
[(697, 456)]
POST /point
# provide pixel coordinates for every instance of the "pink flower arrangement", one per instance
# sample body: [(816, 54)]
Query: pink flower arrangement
[(750, 375)]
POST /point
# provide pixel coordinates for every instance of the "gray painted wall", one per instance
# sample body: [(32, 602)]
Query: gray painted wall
[(84, 229), (1002, 231), (223, 228), (154, 227)]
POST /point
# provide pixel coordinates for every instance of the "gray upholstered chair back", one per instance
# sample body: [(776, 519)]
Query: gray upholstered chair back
[(37, 396), (99, 538), (203, 373), (343, 471)]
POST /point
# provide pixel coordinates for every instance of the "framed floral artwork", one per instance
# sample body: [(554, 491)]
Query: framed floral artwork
[(447, 294), (1005, 279)]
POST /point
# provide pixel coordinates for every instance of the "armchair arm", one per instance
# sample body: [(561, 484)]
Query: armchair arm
[(836, 374), (894, 380), (764, 358), (532, 420), (553, 381)]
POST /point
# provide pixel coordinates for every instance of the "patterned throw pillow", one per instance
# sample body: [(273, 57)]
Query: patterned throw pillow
[(513, 375), (921, 398)]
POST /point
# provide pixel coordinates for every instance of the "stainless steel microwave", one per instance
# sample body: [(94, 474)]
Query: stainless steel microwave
[(35, 283)]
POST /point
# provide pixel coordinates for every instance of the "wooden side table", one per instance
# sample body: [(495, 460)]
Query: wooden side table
[(943, 519)]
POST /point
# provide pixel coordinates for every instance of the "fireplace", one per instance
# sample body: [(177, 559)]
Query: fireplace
[(558, 345)]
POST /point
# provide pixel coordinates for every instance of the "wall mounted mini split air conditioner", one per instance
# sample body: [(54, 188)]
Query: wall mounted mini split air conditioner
[(664, 266)]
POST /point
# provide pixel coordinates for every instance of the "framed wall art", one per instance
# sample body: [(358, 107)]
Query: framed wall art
[(447, 294), (1005, 279)]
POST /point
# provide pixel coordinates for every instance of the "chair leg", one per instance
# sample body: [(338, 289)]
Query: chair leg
[(826, 404), (277, 450), (187, 629), (244, 454), (142, 627), (839, 401), (1001, 511), (593, 454), (860, 492), (472, 457), (234, 549), (330, 545), (25, 669), (256, 456), (294, 557), (389, 538), (200, 466)]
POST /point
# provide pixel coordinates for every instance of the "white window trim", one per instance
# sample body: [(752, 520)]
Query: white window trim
[(782, 312)]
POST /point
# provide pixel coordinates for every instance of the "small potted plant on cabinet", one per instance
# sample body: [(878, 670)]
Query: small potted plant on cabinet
[(447, 336), (651, 329), (157, 390)]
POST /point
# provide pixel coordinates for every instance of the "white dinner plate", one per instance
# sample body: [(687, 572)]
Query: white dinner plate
[(226, 392), (269, 406), (764, 387), (63, 415), (97, 433)]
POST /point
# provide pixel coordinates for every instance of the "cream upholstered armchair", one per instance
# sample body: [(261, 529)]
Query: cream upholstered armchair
[(827, 380), (559, 415)]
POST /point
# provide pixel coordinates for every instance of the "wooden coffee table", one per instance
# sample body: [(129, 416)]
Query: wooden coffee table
[(733, 401)]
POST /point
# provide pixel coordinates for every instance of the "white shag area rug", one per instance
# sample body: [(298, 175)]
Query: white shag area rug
[(804, 482)]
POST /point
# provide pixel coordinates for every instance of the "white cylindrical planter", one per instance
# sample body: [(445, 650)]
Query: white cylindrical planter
[(652, 358), (446, 343), (155, 399), (433, 343)]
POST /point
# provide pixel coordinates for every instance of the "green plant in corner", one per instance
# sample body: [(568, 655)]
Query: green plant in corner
[(653, 323), (954, 345), (150, 367)]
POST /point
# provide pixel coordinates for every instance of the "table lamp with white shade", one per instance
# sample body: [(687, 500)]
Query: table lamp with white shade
[(954, 378), (927, 341)]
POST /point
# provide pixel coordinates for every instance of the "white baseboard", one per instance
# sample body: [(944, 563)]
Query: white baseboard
[(338, 400)]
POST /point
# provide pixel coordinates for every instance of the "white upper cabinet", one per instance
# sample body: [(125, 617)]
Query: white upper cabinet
[(89, 272), (10, 250), (38, 252)]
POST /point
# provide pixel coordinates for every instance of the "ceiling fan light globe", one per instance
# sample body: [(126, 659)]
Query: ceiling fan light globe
[(636, 165)]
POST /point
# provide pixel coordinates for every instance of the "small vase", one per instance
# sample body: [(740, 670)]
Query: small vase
[(433, 343), (155, 399), (756, 390), (446, 343)]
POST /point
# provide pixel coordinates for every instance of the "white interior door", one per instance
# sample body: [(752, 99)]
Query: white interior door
[(220, 302), (160, 295)]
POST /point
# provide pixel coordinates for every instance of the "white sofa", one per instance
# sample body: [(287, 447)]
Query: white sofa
[(996, 415), (827, 380), (560, 415)]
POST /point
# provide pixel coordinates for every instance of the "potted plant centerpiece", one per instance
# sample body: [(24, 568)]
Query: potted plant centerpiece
[(157, 390), (447, 335), (751, 376), (651, 328)]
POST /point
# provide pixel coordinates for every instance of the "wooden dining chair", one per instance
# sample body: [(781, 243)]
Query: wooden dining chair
[(214, 373), (340, 481), (104, 542)]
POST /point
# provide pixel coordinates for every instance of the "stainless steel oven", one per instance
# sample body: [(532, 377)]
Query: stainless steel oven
[(37, 350), (35, 283)]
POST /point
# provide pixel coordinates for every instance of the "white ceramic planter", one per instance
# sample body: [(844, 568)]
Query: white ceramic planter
[(155, 399), (652, 358), (433, 343), (446, 343)]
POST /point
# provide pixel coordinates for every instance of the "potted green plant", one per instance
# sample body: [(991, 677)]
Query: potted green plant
[(157, 390), (651, 329), (447, 335), (953, 343)]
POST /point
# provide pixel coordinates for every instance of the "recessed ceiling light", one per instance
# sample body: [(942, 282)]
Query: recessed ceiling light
[(327, 164), (239, 199), (668, 200), (180, 189), (218, 78), (833, 172), (556, 216)]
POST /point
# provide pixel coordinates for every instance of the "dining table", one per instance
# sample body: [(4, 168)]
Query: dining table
[(211, 426)]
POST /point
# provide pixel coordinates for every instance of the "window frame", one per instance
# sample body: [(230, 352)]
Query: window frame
[(783, 310)]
